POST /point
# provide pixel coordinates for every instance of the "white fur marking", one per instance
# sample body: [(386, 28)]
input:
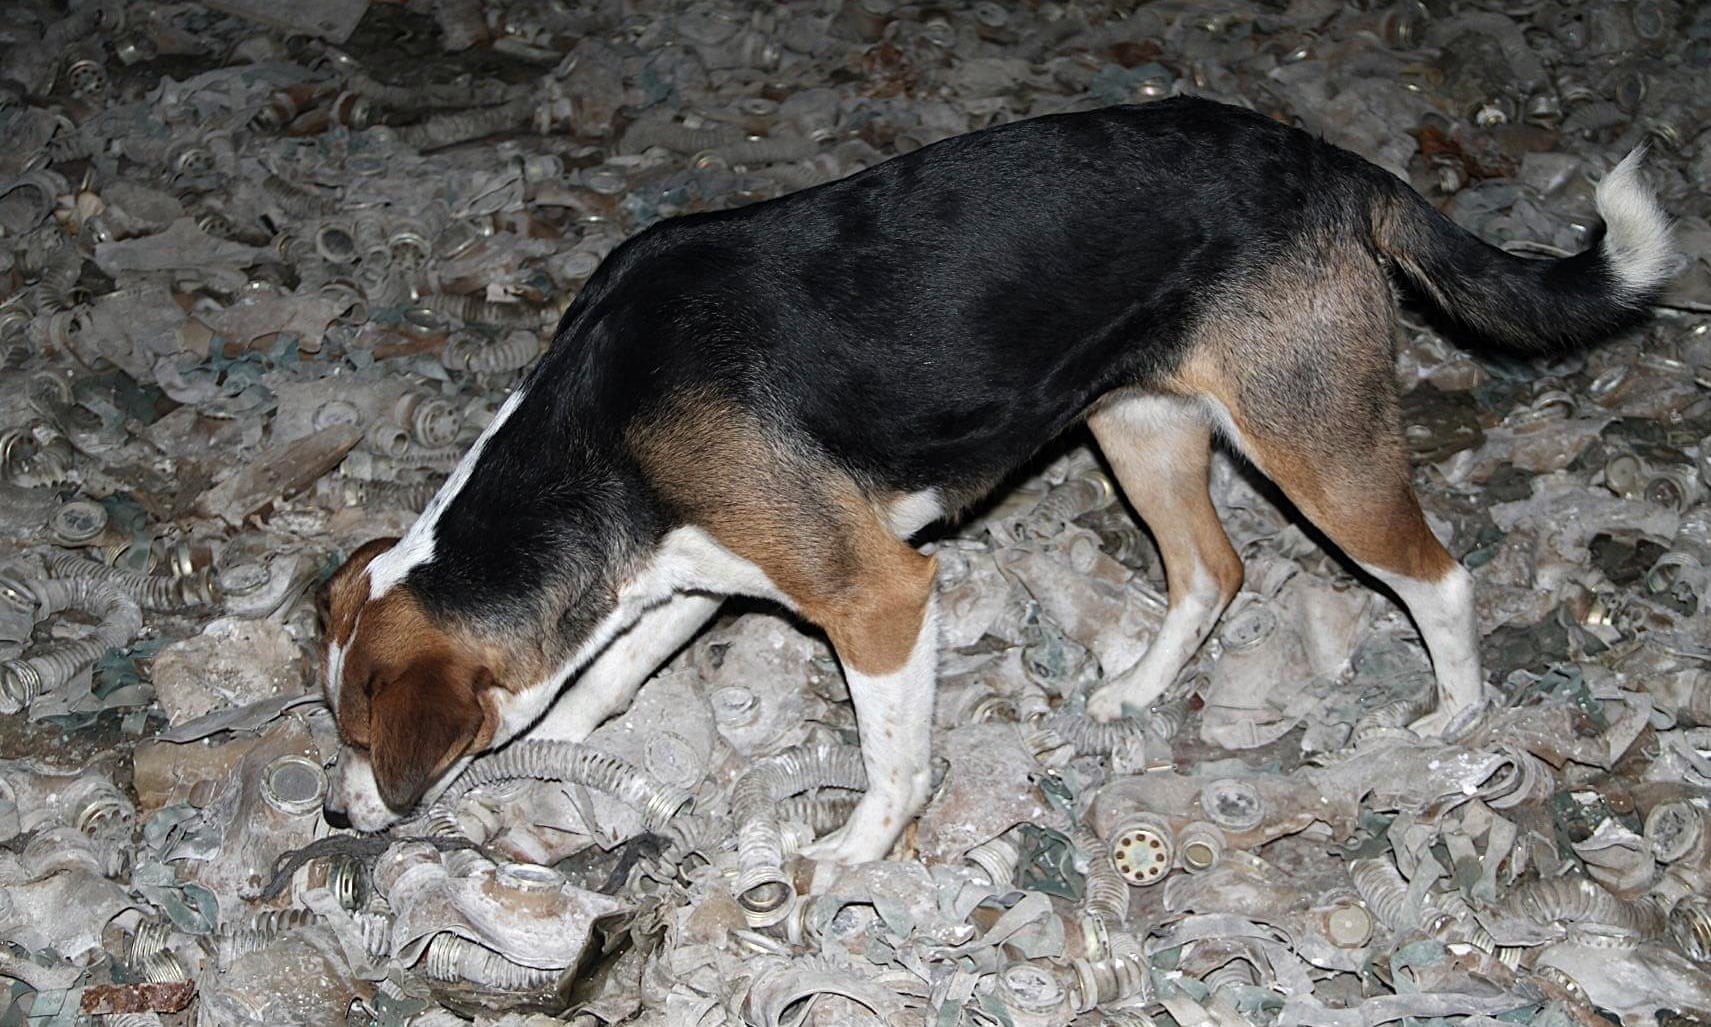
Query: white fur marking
[(352, 788), (909, 514), (335, 671), (1226, 426), (417, 545), (894, 715), (688, 560), (1153, 413), (1186, 624), (1637, 241), (611, 681), (1443, 611)]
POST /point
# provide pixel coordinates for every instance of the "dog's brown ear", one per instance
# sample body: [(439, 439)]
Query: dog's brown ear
[(420, 723)]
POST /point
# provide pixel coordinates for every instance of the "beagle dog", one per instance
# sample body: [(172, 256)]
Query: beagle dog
[(771, 401)]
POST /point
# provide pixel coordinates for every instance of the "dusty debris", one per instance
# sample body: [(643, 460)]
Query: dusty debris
[(267, 270), (232, 663)]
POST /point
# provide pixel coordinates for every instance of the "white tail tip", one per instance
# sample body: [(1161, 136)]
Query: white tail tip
[(1637, 239)]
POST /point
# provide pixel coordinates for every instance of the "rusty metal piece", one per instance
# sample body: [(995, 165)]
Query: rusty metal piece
[(148, 997)]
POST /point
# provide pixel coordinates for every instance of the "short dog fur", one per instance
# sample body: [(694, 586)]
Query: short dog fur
[(772, 400)]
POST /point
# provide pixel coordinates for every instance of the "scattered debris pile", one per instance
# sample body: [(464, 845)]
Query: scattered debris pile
[(267, 269)]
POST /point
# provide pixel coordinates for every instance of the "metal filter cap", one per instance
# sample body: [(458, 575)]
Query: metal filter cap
[(294, 785), (1232, 804), (1349, 926), (1251, 627), (79, 520)]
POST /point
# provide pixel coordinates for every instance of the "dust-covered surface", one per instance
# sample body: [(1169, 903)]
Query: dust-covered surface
[(267, 269)]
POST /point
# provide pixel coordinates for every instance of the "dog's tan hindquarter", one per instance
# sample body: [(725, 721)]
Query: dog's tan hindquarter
[(1296, 369)]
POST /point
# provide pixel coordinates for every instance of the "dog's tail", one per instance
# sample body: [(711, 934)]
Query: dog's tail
[(1535, 306)]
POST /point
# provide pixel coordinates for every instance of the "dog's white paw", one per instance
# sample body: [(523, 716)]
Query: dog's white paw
[(1107, 702), (1132, 692), (826, 849), (1432, 724), (872, 829), (1448, 722), (847, 848)]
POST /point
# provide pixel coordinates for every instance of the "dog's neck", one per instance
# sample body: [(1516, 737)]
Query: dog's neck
[(532, 551)]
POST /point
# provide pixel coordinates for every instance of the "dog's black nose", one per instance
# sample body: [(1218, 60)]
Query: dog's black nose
[(337, 819)]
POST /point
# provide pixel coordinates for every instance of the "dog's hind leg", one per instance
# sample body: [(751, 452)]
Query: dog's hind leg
[(1301, 370), (1369, 510), (1160, 447)]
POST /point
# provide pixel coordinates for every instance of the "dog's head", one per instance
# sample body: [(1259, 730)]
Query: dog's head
[(412, 698)]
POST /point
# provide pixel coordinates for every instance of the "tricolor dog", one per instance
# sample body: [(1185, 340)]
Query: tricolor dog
[(771, 401)]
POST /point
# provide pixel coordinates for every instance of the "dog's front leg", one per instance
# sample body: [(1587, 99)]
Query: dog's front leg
[(888, 644), (606, 687)]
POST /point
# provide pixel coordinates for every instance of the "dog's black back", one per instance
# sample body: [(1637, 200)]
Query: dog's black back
[(930, 321)]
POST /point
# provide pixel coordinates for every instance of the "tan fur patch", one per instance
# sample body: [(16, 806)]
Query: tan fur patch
[(809, 527), (1303, 360), (875, 627), (1166, 474)]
